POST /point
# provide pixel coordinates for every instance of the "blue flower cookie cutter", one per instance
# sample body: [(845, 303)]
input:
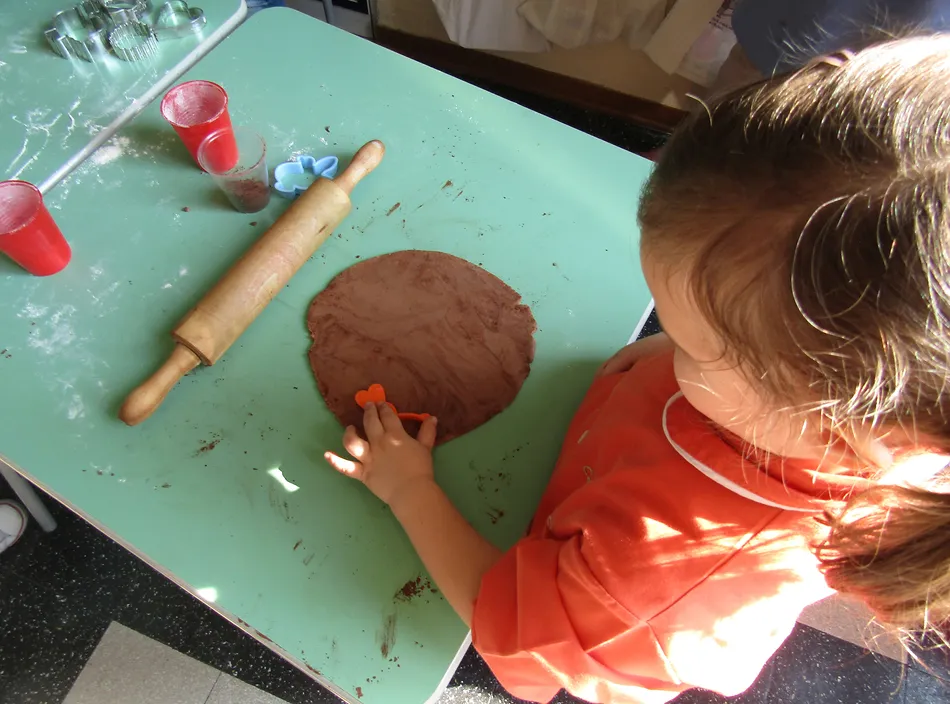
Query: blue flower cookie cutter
[(321, 168)]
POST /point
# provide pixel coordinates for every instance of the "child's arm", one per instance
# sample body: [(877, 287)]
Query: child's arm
[(635, 351), (398, 470), (456, 556)]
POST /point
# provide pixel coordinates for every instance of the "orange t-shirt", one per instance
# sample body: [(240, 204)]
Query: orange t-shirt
[(660, 558)]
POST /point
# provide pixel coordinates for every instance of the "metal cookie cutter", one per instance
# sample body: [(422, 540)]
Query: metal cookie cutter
[(79, 32), (176, 19), (125, 11), (88, 9), (133, 41)]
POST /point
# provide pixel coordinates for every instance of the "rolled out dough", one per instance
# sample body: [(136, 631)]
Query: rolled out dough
[(441, 335)]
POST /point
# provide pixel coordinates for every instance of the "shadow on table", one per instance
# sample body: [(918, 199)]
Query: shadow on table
[(209, 197), (214, 198), (162, 143), (9, 268)]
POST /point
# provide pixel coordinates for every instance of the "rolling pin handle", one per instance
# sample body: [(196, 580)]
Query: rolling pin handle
[(142, 402), (364, 161), (226, 311)]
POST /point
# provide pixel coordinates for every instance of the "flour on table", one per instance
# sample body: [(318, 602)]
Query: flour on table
[(110, 151), (120, 146), (72, 118), (16, 42), (100, 296), (33, 311), (76, 408), (35, 122), (57, 334)]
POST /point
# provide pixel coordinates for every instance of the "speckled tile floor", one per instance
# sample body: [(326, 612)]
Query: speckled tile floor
[(59, 593), (130, 668)]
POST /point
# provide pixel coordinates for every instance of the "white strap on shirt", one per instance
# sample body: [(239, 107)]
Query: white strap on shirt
[(713, 474)]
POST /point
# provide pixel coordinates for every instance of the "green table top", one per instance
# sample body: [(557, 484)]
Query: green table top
[(55, 112), (314, 568)]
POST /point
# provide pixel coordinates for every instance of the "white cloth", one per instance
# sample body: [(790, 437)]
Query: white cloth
[(492, 25), (666, 30), (682, 26), (574, 23), (708, 53)]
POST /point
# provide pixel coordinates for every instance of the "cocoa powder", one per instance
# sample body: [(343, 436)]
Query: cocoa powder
[(248, 195)]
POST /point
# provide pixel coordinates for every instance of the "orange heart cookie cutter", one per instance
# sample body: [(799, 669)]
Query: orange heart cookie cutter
[(377, 394)]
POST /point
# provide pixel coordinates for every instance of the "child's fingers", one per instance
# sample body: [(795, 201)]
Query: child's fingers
[(354, 444), (614, 365), (372, 424), (347, 467), (427, 432), (621, 362), (389, 419)]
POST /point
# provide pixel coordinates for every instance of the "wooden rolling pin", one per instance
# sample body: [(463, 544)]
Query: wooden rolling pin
[(226, 311)]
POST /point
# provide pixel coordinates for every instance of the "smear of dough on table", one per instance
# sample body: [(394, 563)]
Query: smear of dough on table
[(441, 335)]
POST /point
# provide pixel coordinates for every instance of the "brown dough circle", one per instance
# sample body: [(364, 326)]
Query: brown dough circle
[(441, 335)]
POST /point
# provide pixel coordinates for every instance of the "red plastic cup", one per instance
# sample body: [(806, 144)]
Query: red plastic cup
[(196, 109), (28, 234)]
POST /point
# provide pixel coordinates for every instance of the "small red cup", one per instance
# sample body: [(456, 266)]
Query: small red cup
[(196, 109), (28, 234)]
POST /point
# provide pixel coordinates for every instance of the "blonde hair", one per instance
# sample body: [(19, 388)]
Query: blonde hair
[(813, 211)]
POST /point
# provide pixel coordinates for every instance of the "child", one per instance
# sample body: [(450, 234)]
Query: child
[(787, 437)]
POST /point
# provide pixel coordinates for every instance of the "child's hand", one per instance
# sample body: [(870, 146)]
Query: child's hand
[(389, 462), (624, 360)]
